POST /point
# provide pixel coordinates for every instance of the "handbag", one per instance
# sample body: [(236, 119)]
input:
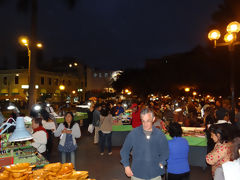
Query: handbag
[(90, 128)]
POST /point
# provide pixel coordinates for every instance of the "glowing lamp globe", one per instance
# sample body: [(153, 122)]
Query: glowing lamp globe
[(214, 34), (228, 37), (233, 27)]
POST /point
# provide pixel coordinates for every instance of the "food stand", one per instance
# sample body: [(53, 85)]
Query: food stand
[(19, 152)]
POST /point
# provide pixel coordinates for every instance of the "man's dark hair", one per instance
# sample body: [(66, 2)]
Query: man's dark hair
[(97, 105), (38, 121), (175, 129)]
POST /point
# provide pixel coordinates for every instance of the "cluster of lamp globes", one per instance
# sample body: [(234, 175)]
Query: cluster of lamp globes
[(232, 29), (24, 40)]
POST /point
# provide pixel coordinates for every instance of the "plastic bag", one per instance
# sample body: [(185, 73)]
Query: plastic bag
[(90, 128)]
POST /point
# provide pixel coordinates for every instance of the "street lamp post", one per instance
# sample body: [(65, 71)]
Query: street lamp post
[(31, 73), (230, 40)]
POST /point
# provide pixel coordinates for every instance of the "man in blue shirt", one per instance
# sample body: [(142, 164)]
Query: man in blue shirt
[(119, 109), (149, 148)]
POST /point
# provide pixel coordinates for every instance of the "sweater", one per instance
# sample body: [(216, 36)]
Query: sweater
[(76, 133), (147, 153), (136, 121), (106, 123), (40, 141), (219, 155), (178, 156)]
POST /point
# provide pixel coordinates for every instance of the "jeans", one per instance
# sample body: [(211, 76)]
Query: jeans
[(105, 137), (96, 136), (184, 176), (72, 157)]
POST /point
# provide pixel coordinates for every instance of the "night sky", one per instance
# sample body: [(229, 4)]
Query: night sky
[(110, 34)]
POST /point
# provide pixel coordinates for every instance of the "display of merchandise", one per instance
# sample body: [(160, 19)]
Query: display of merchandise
[(56, 171)]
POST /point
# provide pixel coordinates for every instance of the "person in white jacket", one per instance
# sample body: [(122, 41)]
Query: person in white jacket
[(40, 136), (68, 132)]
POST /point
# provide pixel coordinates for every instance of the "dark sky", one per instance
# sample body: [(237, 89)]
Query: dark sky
[(110, 33)]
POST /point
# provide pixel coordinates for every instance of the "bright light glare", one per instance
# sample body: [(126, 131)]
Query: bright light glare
[(228, 37), (178, 110), (37, 107), (39, 45), (11, 107), (61, 87), (23, 40), (233, 27), (214, 34), (187, 89)]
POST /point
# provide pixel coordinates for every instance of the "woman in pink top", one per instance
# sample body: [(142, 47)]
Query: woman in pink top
[(222, 149)]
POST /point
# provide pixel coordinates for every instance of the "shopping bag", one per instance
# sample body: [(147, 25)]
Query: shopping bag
[(90, 128)]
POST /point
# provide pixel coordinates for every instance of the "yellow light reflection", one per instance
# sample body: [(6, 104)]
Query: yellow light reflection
[(39, 45), (187, 89), (23, 40), (62, 87)]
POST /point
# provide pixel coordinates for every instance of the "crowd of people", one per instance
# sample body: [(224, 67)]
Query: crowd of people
[(147, 144)]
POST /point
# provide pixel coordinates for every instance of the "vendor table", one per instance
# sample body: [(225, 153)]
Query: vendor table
[(197, 145)]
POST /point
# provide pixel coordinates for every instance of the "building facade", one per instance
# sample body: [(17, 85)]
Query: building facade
[(14, 85)]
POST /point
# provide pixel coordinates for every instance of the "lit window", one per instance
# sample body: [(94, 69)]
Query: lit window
[(100, 75), (106, 75), (95, 74)]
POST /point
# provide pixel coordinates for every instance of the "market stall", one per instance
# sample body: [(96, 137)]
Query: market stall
[(19, 152)]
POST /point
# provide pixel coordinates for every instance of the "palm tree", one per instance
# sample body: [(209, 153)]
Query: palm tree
[(22, 5)]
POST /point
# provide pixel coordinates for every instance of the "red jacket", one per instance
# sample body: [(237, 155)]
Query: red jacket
[(136, 121)]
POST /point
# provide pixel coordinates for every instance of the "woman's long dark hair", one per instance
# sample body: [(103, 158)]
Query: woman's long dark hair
[(224, 130), (72, 122), (235, 148), (105, 111)]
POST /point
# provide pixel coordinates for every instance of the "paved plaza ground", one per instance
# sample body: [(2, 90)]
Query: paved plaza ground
[(108, 167)]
